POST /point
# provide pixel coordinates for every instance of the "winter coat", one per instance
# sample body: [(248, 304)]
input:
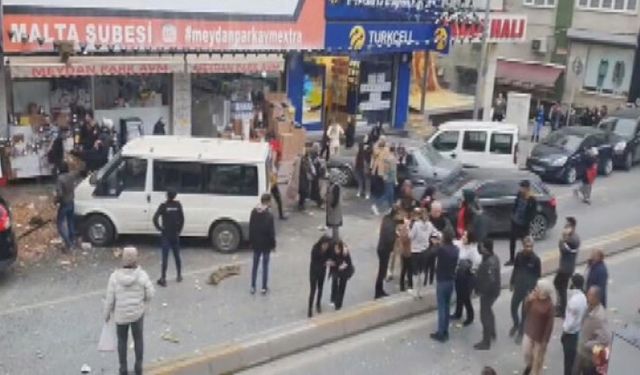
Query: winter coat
[(387, 238), (65, 186), (598, 276), (402, 245), (488, 277), (334, 206), (172, 219), (594, 331), (526, 272), (128, 292), (319, 259), (568, 254), (340, 259), (262, 232)]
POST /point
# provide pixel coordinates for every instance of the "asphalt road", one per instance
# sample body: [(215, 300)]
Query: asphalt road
[(406, 348), (51, 314)]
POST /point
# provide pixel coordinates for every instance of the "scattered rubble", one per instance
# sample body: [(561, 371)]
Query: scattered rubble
[(34, 225), (223, 272)]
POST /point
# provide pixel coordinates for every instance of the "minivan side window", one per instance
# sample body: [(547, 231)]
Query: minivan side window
[(446, 141), (183, 177), (232, 179), (501, 143), (474, 141), (129, 174)]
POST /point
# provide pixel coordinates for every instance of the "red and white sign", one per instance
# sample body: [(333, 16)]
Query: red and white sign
[(503, 28), (243, 67)]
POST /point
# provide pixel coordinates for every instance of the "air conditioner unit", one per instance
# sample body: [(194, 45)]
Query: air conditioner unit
[(539, 45)]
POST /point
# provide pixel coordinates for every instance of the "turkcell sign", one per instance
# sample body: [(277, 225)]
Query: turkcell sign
[(384, 37)]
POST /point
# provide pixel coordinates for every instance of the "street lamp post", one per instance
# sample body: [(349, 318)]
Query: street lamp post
[(482, 64)]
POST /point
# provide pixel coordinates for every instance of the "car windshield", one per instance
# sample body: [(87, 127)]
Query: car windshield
[(430, 154), (100, 173), (624, 127), (569, 142)]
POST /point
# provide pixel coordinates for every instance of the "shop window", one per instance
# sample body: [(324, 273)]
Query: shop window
[(608, 70), (501, 143), (446, 141), (184, 178), (474, 141), (129, 174), (132, 91), (609, 5), (232, 179)]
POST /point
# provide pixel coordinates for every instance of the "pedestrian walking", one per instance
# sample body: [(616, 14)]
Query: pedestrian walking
[(320, 257), (350, 132), (169, 221), (499, 108), (403, 251), (525, 275), (468, 263), (386, 243), (303, 176), (598, 275), (524, 210), (363, 170), (129, 292), (419, 236), (538, 124), (64, 198), (538, 326), (262, 236), (325, 145), (335, 133), (55, 154), (447, 261), (569, 246), (334, 208), (575, 312), (488, 288), (385, 168), (440, 223), (275, 193), (594, 334), (343, 269), (590, 166), (318, 172)]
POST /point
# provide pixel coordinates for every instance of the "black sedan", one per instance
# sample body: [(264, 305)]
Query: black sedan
[(560, 155), (496, 192), (623, 128), (8, 248)]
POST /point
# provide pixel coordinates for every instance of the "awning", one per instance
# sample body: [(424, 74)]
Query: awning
[(51, 66), (601, 37), (235, 63), (527, 75)]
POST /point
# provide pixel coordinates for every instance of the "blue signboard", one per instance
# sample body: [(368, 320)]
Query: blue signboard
[(347, 37), (382, 10)]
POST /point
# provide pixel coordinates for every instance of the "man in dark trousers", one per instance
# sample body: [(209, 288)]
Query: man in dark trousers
[(262, 236), (170, 228), (447, 256), (386, 241), (569, 245), (525, 275), (65, 185), (598, 274), (334, 209), (488, 288), (575, 311), (524, 210)]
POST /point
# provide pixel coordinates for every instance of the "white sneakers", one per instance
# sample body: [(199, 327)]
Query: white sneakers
[(374, 209)]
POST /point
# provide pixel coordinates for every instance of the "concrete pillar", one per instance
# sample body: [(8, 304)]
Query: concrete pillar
[(489, 81), (181, 110)]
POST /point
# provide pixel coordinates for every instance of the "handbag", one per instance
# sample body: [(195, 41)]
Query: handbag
[(107, 342)]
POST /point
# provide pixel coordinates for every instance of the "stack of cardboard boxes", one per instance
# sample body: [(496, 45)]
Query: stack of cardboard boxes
[(280, 115)]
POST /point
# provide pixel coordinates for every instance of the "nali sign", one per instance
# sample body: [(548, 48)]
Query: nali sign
[(503, 28)]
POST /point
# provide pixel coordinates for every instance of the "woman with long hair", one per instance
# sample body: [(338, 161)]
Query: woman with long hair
[(320, 258), (468, 263), (342, 270)]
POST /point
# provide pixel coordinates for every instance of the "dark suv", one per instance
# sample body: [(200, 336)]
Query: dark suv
[(623, 128), (8, 248)]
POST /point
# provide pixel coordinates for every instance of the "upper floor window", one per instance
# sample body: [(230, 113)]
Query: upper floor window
[(610, 5), (540, 3)]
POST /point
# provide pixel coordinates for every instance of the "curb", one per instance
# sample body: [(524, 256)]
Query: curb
[(303, 335)]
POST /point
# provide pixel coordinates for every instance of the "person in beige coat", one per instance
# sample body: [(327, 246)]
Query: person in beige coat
[(128, 293)]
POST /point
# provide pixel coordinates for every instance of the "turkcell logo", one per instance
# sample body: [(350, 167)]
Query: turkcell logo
[(391, 38)]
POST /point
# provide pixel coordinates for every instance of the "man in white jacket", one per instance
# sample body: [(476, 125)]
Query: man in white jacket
[(128, 292)]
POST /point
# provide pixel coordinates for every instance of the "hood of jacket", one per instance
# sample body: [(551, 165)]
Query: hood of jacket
[(127, 276)]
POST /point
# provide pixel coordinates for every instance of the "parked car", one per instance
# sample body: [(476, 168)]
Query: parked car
[(478, 143), (496, 191), (560, 154), (623, 128), (8, 247)]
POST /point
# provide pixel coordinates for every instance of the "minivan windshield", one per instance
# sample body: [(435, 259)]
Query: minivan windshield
[(624, 127), (430, 153), (568, 142), (100, 173)]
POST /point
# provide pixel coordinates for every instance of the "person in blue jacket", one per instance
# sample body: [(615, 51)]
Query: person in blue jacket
[(539, 123), (598, 274)]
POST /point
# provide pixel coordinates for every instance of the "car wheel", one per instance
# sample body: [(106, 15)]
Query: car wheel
[(341, 176), (99, 230), (607, 167), (538, 227), (225, 237), (628, 161), (570, 176)]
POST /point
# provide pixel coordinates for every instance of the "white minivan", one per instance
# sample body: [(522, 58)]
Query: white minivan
[(478, 143), (218, 183)]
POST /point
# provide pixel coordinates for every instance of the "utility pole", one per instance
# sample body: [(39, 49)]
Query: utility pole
[(4, 117), (425, 82), (482, 64)]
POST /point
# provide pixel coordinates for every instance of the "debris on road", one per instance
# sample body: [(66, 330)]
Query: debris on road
[(35, 227), (223, 272), (168, 336)]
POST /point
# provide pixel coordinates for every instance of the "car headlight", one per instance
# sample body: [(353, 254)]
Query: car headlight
[(559, 161), (620, 147)]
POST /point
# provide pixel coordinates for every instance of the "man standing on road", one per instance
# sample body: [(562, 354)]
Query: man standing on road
[(576, 308), (170, 229), (262, 235), (441, 223), (386, 241), (65, 185), (447, 261), (569, 246), (525, 275), (488, 288), (538, 326), (598, 275), (524, 209), (594, 335)]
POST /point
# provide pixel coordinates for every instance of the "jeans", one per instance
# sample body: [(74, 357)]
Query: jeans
[(517, 302), (265, 267), (430, 268), (388, 196), (487, 318), (316, 282), (170, 243), (561, 281), (570, 349), (122, 331), (444, 290), (65, 214), (383, 264), (518, 232)]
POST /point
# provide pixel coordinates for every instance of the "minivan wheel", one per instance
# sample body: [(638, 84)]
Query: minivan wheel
[(607, 168), (225, 237), (570, 176), (99, 230), (538, 227), (628, 161)]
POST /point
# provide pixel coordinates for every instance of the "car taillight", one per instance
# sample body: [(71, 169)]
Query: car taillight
[(553, 202), (5, 220)]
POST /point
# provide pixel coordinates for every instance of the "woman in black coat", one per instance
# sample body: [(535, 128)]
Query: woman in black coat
[(320, 256), (341, 271)]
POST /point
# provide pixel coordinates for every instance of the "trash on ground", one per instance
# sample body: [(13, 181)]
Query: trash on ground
[(223, 272)]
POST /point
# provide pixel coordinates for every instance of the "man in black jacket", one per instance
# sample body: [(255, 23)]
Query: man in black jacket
[(525, 275), (569, 245), (170, 228), (488, 288), (524, 210), (386, 242), (262, 235)]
